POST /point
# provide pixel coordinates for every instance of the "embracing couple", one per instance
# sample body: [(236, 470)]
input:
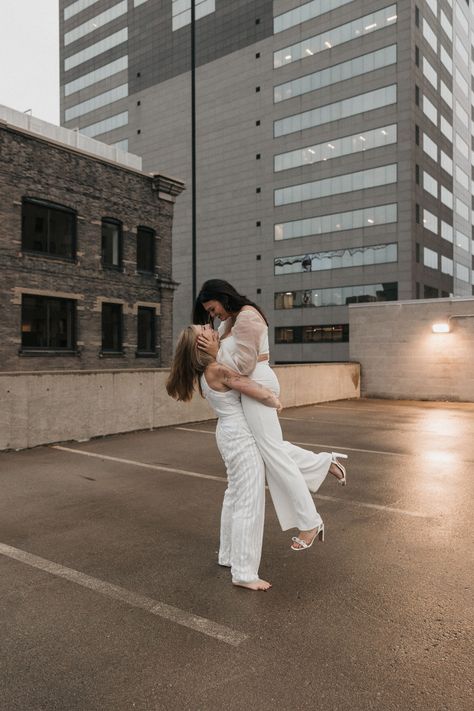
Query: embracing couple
[(230, 367)]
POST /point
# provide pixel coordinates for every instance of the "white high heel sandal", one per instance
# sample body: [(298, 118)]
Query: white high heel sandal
[(302, 545), (334, 460)]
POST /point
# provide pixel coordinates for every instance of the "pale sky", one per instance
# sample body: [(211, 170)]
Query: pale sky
[(29, 56)]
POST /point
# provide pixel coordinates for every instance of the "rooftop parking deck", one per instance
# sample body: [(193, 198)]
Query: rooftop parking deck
[(112, 599)]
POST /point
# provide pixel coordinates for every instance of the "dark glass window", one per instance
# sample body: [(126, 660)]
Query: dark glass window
[(332, 333), (112, 328), (111, 243), (145, 250), (429, 292), (47, 323), (336, 296), (48, 229), (145, 330)]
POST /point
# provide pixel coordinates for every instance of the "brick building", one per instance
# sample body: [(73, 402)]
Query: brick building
[(333, 145), (85, 252)]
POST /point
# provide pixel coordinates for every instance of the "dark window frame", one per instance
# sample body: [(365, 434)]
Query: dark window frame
[(53, 207), (325, 331), (150, 231), (116, 223), (71, 327), (106, 350), (143, 352)]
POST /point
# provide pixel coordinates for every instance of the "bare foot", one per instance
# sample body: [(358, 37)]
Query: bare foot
[(306, 536), (335, 471), (256, 585)]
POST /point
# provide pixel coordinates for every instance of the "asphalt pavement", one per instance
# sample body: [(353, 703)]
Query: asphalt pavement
[(111, 598)]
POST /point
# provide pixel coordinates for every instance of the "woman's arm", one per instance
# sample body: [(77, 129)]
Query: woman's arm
[(246, 386)]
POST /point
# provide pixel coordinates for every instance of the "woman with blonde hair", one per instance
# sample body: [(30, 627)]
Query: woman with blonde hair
[(243, 508)]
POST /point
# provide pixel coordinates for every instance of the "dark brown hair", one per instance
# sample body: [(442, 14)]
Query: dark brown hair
[(225, 294)]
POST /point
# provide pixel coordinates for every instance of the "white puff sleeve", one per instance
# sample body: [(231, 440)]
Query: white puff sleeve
[(247, 331)]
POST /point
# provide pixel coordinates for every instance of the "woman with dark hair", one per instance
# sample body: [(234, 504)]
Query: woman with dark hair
[(292, 472)]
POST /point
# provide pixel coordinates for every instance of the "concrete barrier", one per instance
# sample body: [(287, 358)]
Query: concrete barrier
[(402, 358), (56, 406)]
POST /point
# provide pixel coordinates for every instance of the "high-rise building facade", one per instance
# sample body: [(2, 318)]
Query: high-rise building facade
[(333, 145)]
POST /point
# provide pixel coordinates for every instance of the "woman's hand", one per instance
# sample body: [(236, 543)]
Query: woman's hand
[(278, 405), (208, 341)]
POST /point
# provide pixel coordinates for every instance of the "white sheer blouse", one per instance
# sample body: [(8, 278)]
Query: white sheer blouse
[(247, 341)]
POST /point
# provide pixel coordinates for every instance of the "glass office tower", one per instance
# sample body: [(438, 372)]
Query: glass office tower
[(333, 145)]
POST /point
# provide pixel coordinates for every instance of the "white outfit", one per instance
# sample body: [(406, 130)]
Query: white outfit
[(243, 508), (292, 472)]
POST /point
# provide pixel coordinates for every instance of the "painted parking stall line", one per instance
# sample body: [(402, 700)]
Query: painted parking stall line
[(136, 463), (160, 609), (318, 445), (197, 475)]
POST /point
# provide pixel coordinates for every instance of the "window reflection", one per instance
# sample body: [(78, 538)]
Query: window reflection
[(305, 12), (335, 36), (352, 106), (336, 259), (339, 72), (333, 333), (96, 22), (108, 97), (336, 296), (95, 49), (356, 143), (97, 75), (337, 222), (108, 124), (360, 180)]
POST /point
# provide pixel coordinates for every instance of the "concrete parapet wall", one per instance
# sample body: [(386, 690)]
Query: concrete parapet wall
[(402, 358), (44, 407)]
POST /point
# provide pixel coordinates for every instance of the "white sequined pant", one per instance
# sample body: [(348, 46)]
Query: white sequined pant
[(292, 472), (243, 509)]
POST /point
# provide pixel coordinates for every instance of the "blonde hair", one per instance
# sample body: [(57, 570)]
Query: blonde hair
[(188, 364)]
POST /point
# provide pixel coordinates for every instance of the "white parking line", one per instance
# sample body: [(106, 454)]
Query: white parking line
[(325, 447), (197, 475), (139, 464), (154, 607)]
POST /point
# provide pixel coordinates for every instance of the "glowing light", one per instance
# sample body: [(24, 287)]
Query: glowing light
[(440, 327)]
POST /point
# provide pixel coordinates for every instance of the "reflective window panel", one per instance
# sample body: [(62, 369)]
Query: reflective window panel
[(335, 36), (336, 296), (336, 259), (339, 72), (349, 182), (338, 110), (337, 222), (337, 147)]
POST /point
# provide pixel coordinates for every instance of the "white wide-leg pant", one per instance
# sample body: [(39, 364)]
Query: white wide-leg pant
[(292, 472), (243, 509)]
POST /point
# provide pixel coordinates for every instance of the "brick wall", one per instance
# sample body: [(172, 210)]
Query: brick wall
[(36, 168)]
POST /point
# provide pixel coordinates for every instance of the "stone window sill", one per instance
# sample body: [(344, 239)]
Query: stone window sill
[(45, 352)]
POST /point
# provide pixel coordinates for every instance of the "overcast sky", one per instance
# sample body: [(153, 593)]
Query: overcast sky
[(29, 56)]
